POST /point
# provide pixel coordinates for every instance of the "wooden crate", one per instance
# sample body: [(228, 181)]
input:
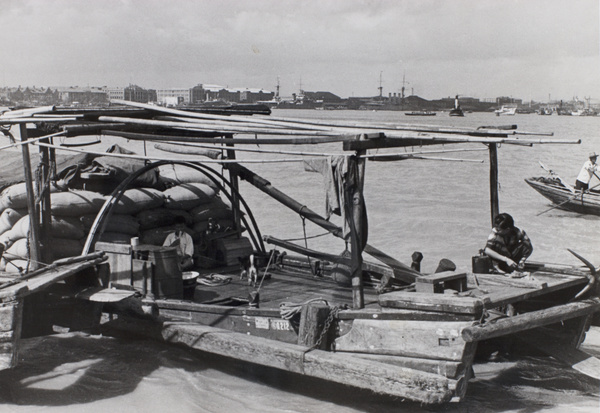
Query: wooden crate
[(119, 260), (229, 250), (437, 283)]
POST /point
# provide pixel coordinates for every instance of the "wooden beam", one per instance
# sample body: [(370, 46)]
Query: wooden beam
[(389, 142), (266, 186), (358, 227), (312, 322), (34, 237), (234, 179), (346, 369), (305, 251), (43, 181), (528, 321), (494, 199)]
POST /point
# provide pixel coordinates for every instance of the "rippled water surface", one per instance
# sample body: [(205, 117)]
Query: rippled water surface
[(438, 208)]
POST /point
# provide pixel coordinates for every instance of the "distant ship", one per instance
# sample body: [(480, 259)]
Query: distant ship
[(420, 113), (506, 111), (457, 111)]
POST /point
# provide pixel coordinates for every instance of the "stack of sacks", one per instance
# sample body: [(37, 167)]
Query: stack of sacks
[(192, 195), (147, 213), (67, 233), (195, 202)]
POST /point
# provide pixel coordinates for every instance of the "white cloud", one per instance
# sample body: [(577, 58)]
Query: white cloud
[(487, 47)]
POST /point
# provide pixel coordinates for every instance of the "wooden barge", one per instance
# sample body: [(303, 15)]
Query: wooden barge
[(379, 325)]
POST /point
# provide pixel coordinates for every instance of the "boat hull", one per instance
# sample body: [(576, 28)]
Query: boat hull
[(423, 113), (583, 203)]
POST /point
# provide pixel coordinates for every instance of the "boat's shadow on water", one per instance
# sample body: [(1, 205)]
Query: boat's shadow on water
[(71, 369)]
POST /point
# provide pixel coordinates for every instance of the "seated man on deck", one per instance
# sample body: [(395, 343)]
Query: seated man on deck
[(588, 169), (184, 243), (507, 245)]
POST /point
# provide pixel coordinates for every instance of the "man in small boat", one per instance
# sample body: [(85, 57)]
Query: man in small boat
[(184, 243), (507, 245), (588, 169)]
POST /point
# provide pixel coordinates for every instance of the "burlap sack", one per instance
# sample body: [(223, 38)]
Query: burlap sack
[(138, 199), (76, 203), (178, 174), (157, 236), (161, 217), (188, 196), (8, 219), (125, 224), (215, 209)]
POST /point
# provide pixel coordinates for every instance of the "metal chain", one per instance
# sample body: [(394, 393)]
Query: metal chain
[(332, 314)]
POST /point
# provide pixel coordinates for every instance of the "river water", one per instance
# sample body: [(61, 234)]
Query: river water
[(440, 208)]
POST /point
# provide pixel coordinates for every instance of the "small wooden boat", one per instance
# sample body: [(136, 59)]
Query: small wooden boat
[(552, 188)]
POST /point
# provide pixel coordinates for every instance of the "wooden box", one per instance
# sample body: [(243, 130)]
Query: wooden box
[(119, 260), (229, 250), (437, 283), (165, 274)]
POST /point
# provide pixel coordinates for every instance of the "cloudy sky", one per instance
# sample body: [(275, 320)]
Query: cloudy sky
[(529, 49)]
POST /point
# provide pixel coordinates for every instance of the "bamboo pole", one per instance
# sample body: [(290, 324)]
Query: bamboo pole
[(247, 141), (162, 158), (27, 142), (261, 150), (27, 112), (350, 144), (319, 125), (221, 127), (18, 121), (34, 239), (209, 153)]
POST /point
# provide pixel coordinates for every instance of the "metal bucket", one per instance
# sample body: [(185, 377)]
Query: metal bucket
[(482, 264)]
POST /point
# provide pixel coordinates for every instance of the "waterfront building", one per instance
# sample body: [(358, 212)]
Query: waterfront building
[(82, 95), (115, 93), (173, 96), (135, 93)]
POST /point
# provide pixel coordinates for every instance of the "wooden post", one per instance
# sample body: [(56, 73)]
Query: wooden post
[(233, 177), (357, 232), (312, 322), (494, 199), (45, 208), (34, 239)]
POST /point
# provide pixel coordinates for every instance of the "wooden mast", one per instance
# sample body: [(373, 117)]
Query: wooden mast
[(45, 171), (34, 239), (357, 234), (494, 199)]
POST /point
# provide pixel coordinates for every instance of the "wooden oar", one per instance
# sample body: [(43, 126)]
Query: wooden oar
[(564, 202), (592, 276)]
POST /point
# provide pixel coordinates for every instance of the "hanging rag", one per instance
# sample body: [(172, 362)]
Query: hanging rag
[(335, 172)]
